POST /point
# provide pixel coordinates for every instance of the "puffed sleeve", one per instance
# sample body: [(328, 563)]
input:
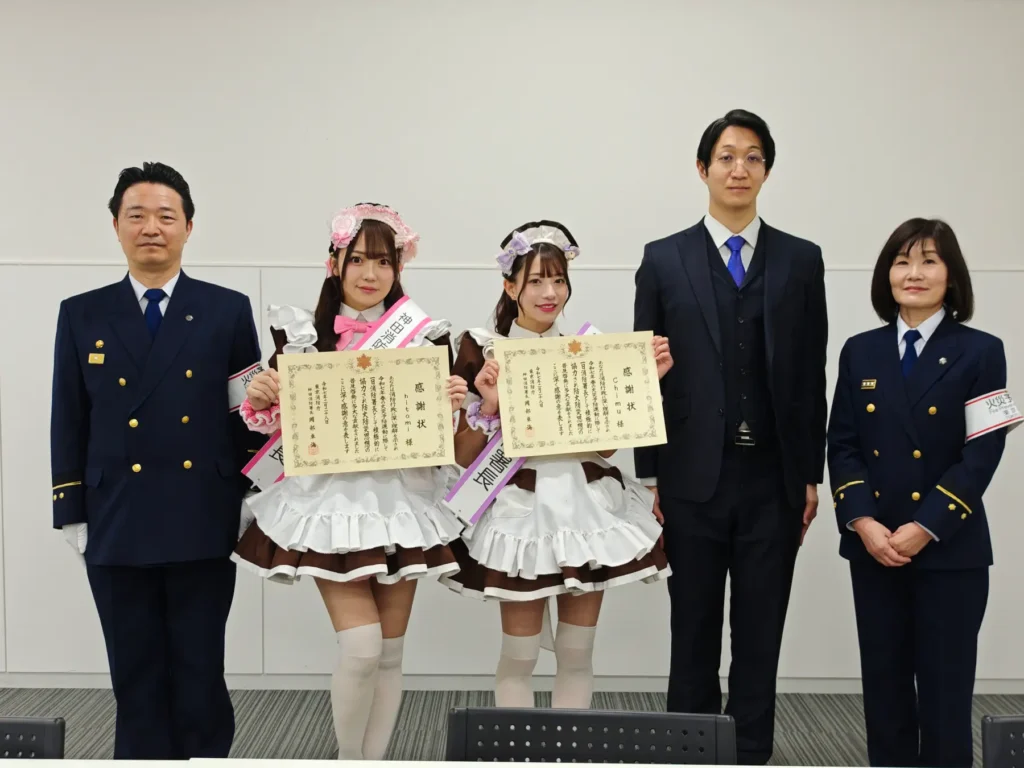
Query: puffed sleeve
[(953, 499), (294, 333), (852, 495)]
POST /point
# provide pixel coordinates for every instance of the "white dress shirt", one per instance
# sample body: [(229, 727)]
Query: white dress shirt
[(926, 329), (516, 331), (140, 290), (371, 315), (721, 233)]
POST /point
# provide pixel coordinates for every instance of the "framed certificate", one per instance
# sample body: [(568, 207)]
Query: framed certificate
[(578, 394), (367, 409)]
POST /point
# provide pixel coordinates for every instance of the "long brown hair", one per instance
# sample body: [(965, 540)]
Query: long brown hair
[(553, 264), (379, 240)]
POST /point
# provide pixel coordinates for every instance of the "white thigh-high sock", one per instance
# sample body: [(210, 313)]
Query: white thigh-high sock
[(387, 699), (513, 683), (352, 684), (574, 678)]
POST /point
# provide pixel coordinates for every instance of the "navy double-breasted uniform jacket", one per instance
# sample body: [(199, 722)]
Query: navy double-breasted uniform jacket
[(143, 446), (897, 448)]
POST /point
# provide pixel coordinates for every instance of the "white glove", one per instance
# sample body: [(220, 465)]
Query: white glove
[(246, 519), (76, 535)]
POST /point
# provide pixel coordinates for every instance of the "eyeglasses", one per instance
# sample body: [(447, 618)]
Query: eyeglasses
[(753, 161)]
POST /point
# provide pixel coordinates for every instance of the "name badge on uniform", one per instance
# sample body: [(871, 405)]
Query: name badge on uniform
[(96, 358), (868, 383)]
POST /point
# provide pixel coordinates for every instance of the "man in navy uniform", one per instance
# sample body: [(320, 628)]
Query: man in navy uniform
[(744, 305), (146, 456)]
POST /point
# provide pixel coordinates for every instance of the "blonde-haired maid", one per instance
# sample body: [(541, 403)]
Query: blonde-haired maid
[(364, 537), (564, 527)]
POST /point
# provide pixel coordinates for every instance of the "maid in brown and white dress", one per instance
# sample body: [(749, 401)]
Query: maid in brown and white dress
[(364, 537), (567, 527)]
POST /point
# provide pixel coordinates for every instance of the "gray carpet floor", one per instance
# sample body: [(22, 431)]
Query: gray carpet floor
[(811, 729)]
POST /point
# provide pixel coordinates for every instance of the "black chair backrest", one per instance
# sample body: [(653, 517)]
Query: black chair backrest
[(40, 738), (567, 735), (1002, 741)]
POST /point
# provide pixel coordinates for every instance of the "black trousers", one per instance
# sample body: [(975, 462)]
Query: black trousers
[(749, 531), (918, 633), (164, 631)]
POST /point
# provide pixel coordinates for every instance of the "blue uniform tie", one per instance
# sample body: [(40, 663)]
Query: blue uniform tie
[(910, 353), (735, 267), (153, 313)]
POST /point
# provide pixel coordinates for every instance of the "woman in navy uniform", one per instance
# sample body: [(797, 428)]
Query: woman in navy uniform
[(918, 424)]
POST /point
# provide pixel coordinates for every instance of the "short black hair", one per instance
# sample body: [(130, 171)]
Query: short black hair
[(743, 119), (959, 293), (152, 173)]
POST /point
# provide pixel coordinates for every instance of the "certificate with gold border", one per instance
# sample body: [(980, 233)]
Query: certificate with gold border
[(358, 411), (579, 394)]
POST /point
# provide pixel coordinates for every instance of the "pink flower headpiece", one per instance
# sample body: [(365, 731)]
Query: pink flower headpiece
[(347, 222)]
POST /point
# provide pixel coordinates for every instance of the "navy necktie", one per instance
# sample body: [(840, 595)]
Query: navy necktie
[(735, 265), (910, 353), (153, 313)]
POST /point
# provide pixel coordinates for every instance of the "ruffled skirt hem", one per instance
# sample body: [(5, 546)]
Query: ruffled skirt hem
[(477, 580), (258, 553)]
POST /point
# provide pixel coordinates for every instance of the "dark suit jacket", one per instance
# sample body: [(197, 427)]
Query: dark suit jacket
[(143, 447), (675, 298), (896, 448)]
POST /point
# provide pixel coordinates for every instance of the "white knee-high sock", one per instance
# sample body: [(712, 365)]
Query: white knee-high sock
[(387, 699), (352, 685), (574, 677), (513, 683)]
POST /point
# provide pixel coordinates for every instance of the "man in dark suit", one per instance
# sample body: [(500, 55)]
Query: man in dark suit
[(146, 456), (745, 409)]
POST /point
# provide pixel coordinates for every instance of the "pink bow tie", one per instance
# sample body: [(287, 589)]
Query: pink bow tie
[(346, 328)]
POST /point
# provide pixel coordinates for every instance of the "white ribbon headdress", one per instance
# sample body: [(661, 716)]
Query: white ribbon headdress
[(522, 241)]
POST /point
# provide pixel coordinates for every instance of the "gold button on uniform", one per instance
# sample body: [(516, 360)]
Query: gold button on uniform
[(188, 374), (184, 419), (875, 452), (55, 497), (62, 494), (133, 423), (136, 467), (842, 495), (952, 507), (917, 454), (122, 382), (915, 496), (871, 407), (99, 343), (932, 411), (876, 494), (963, 516), (187, 464)]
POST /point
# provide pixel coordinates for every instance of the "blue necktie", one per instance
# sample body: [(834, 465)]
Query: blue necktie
[(735, 267), (910, 353), (153, 313)]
